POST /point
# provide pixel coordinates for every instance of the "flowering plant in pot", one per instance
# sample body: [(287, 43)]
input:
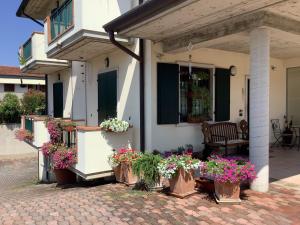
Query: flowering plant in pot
[(62, 159), (228, 173), (24, 135), (114, 125), (121, 162), (55, 131), (68, 126), (146, 169), (179, 169)]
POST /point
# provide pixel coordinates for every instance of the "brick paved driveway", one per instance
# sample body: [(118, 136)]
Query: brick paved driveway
[(28, 203)]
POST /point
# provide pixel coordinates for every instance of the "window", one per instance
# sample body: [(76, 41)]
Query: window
[(9, 87), (195, 94)]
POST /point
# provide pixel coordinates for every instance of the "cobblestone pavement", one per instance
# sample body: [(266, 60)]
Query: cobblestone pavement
[(27, 203)]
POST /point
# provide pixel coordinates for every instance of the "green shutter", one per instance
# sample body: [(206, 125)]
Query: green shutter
[(222, 95), (107, 95), (167, 93), (58, 94)]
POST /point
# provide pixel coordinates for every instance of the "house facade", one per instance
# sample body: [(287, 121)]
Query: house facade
[(146, 62), (12, 80)]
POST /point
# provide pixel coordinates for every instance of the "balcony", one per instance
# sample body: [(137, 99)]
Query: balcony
[(75, 29), (33, 58)]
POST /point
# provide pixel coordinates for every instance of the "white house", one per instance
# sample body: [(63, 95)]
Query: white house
[(137, 66), (12, 80)]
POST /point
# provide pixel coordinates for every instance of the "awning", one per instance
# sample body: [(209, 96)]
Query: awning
[(33, 81), (10, 81)]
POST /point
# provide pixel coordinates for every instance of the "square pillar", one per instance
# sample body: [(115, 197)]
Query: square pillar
[(259, 106)]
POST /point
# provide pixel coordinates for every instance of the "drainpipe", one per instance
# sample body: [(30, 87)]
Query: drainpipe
[(34, 20), (140, 58)]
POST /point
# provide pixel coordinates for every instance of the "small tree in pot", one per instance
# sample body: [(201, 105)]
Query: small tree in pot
[(179, 169)]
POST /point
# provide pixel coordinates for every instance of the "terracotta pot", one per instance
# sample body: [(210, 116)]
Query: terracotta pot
[(182, 184), (227, 192), (128, 177), (118, 173), (64, 176)]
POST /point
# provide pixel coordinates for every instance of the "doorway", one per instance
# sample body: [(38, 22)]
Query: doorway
[(58, 99)]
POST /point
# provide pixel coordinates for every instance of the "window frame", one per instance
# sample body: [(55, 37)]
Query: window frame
[(212, 69)]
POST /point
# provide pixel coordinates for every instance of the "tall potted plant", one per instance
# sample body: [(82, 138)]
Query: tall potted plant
[(146, 168), (228, 174), (179, 169)]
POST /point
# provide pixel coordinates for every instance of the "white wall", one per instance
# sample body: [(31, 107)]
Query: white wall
[(73, 80), (128, 88), (166, 137)]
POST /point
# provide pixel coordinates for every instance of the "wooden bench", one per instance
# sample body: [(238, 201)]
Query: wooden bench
[(224, 134)]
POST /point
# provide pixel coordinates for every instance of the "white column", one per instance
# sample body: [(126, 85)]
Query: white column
[(259, 106)]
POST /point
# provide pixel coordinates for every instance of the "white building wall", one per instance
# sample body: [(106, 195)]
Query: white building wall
[(166, 137), (128, 89), (73, 80)]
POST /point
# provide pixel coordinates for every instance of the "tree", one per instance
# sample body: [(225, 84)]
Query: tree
[(33, 102), (10, 109)]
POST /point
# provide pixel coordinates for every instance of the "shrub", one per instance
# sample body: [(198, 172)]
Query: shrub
[(10, 109), (64, 158), (33, 102), (146, 168)]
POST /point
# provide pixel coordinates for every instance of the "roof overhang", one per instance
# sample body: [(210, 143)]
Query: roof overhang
[(37, 9), (201, 22), (44, 66), (83, 45)]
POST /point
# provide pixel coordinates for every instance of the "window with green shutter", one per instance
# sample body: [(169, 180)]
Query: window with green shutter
[(107, 95), (167, 93), (222, 95)]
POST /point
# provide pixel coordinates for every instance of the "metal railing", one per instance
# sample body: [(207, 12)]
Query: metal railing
[(61, 19), (27, 50)]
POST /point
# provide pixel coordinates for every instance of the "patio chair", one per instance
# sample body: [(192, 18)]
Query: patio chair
[(278, 134)]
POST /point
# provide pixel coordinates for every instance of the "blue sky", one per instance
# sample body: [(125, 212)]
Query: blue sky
[(14, 32)]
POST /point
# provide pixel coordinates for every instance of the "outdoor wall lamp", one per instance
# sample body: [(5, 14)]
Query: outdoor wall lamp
[(106, 62), (233, 70)]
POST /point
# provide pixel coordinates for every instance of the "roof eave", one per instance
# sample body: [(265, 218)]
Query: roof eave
[(21, 8), (140, 13)]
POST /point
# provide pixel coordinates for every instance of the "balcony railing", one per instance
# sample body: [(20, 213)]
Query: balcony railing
[(61, 19), (27, 50)]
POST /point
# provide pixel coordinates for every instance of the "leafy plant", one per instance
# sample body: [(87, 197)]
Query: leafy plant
[(114, 125), (33, 102), (146, 168), (10, 109), (21, 58)]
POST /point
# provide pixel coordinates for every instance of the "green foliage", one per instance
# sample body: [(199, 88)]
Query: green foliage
[(22, 60), (146, 168), (34, 102), (10, 109)]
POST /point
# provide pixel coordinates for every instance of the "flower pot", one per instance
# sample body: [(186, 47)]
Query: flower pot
[(182, 184), (128, 177), (227, 192), (64, 176), (118, 173)]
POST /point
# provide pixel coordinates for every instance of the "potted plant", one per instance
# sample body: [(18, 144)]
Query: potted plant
[(24, 135), (179, 169), (68, 126), (146, 169), (115, 161), (228, 174), (114, 125), (62, 159), (127, 159)]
